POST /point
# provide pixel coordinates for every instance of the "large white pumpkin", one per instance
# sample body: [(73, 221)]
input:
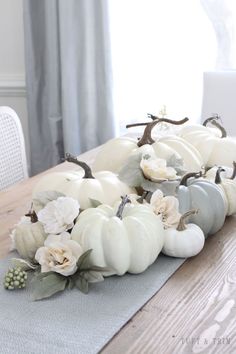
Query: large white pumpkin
[(125, 238), (214, 149), (104, 186), (114, 154)]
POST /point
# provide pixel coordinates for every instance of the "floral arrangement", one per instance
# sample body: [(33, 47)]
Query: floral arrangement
[(86, 225)]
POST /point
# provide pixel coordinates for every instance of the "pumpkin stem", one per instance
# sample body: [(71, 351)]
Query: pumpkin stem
[(210, 119), (124, 201), (85, 167), (213, 121), (147, 134), (33, 216), (185, 178), (145, 196), (234, 171), (218, 179), (181, 225)]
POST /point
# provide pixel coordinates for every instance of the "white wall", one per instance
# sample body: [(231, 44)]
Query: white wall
[(12, 67)]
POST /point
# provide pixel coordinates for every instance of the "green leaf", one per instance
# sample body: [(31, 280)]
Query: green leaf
[(81, 283), (131, 173), (47, 284), (94, 202), (43, 198), (23, 264), (84, 261), (70, 283), (177, 164), (93, 276)]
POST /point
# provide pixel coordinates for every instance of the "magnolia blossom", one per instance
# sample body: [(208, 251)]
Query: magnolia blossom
[(156, 169), (59, 215), (59, 254), (167, 207)]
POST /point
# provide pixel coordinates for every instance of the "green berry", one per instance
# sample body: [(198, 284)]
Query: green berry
[(15, 278)]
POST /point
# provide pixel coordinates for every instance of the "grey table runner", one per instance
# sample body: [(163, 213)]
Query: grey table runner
[(74, 323)]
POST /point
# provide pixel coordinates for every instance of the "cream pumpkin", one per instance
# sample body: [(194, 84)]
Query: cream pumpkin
[(125, 238), (83, 186), (29, 235)]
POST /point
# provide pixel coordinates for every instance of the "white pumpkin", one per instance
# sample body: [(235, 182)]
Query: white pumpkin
[(214, 149), (29, 235), (184, 241), (113, 155), (104, 186), (228, 186), (125, 238)]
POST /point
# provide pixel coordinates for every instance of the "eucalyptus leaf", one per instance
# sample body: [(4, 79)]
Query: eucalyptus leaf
[(177, 164), (47, 285), (23, 264), (84, 261), (70, 283), (93, 276), (43, 198), (131, 173), (81, 283), (94, 202)]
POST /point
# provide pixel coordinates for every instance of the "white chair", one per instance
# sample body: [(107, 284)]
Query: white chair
[(13, 164), (219, 89)]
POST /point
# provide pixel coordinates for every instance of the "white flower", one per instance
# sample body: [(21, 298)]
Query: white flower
[(59, 215), (167, 207), (23, 220), (156, 169), (59, 254)]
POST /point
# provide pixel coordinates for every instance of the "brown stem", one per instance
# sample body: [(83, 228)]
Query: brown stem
[(152, 116), (181, 225), (147, 134), (124, 201), (33, 216), (218, 179), (210, 119), (213, 121), (85, 167), (234, 171), (185, 178), (219, 126), (145, 196), (136, 125)]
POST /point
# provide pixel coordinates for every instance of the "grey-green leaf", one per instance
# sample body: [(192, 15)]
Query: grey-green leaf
[(177, 164), (93, 276), (82, 284), (131, 173), (43, 198), (94, 202), (48, 285), (84, 260), (23, 264)]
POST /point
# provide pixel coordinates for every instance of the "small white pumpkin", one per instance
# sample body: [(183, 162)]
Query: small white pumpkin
[(104, 186), (184, 241), (125, 238), (228, 186), (29, 235), (114, 154)]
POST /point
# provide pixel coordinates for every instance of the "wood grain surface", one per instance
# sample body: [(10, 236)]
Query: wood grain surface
[(194, 312)]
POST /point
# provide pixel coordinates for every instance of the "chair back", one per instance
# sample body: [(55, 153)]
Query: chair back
[(13, 163)]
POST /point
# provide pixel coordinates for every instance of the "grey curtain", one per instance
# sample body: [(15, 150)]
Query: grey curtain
[(68, 77)]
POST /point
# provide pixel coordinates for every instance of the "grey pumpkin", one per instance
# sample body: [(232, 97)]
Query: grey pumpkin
[(197, 193)]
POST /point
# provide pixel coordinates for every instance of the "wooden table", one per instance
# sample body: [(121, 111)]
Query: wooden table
[(194, 312)]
